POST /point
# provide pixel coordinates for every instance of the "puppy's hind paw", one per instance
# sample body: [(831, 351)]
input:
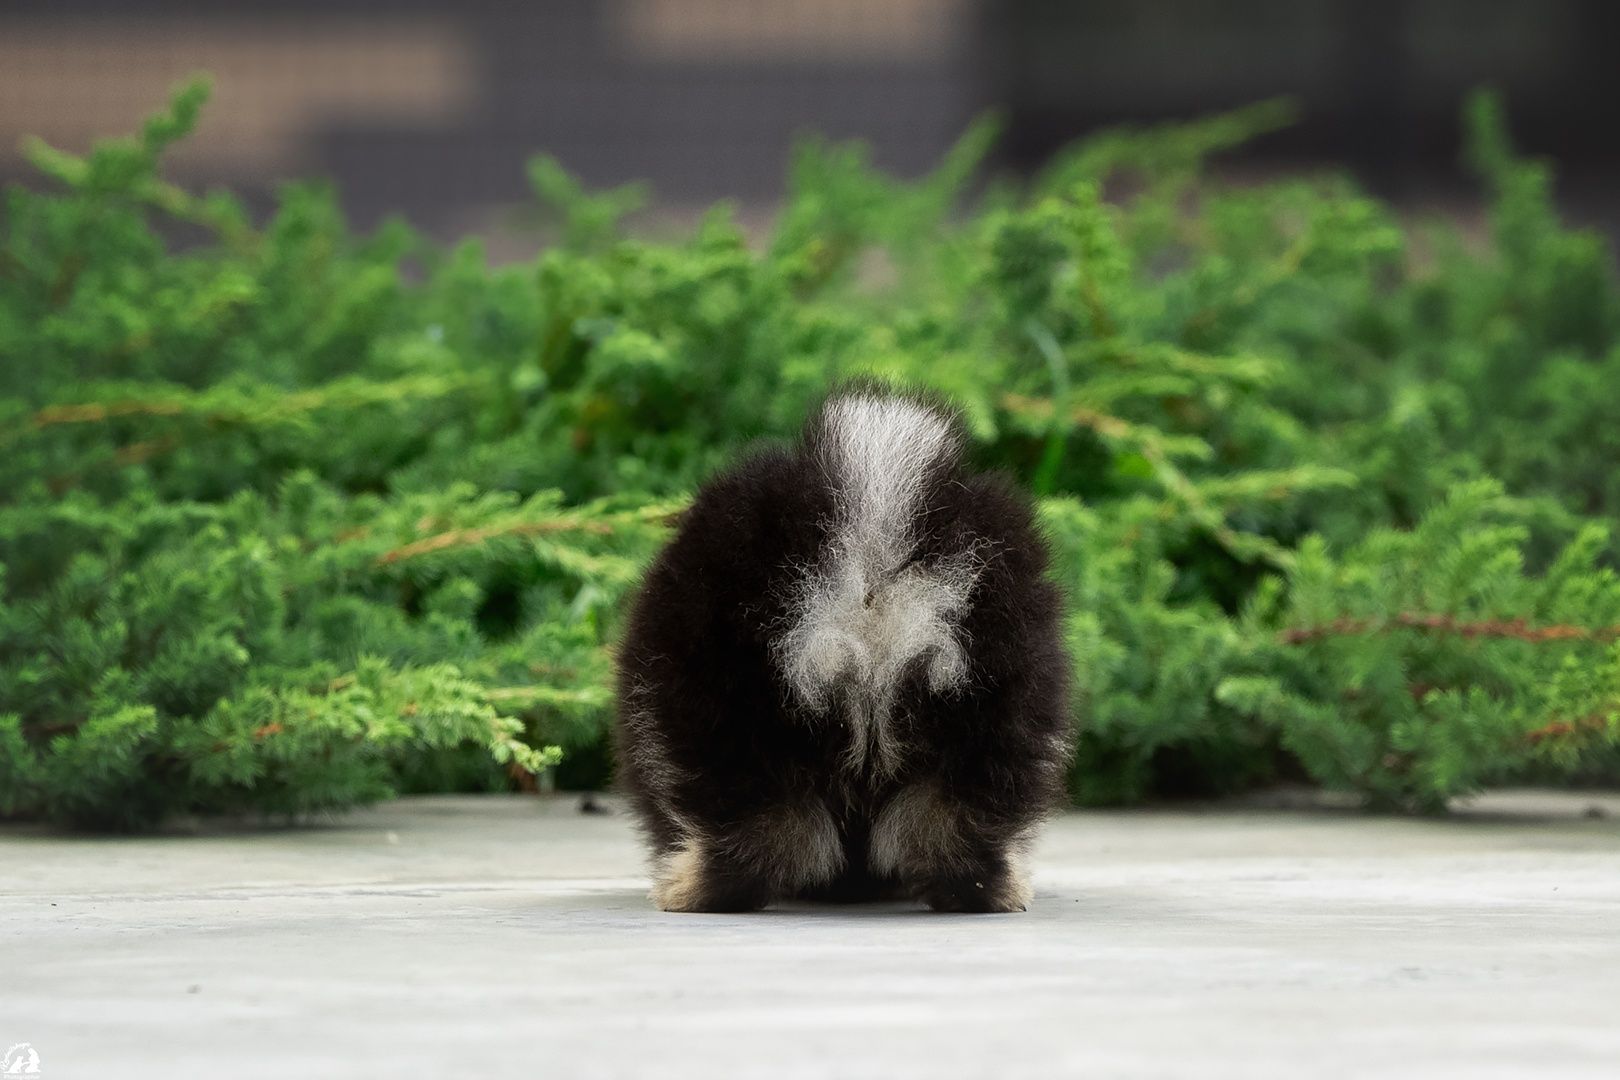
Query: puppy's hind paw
[(983, 894)]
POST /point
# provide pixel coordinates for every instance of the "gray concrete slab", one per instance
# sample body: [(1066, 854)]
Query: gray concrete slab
[(494, 937)]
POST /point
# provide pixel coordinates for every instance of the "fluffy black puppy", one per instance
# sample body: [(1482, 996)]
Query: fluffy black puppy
[(843, 678)]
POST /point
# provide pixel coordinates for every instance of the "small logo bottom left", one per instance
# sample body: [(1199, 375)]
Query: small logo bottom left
[(21, 1060)]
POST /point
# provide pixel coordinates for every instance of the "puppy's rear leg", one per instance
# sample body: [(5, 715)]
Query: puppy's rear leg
[(697, 876), (947, 860), (744, 865)]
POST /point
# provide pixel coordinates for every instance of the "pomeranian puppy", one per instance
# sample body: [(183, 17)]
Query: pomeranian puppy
[(844, 677)]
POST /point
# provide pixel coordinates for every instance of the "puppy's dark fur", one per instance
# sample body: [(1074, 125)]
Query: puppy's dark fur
[(844, 678)]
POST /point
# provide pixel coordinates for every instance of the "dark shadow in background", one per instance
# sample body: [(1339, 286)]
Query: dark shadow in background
[(704, 97)]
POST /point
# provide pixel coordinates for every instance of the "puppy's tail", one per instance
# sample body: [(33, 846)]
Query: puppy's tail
[(880, 451)]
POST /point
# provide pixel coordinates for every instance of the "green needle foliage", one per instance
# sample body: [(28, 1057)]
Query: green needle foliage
[(291, 518)]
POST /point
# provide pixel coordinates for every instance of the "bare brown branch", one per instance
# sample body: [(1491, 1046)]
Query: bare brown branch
[(472, 537), (1450, 624)]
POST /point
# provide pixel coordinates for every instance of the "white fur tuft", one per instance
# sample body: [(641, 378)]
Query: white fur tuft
[(864, 613)]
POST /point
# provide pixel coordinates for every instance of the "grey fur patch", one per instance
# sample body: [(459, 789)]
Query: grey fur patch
[(793, 847), (864, 614), (916, 832)]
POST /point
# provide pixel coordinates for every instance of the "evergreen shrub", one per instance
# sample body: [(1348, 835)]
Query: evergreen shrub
[(292, 518)]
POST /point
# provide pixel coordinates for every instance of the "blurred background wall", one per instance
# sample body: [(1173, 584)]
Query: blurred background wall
[(430, 109)]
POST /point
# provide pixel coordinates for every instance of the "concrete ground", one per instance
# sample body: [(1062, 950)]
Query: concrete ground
[(494, 937)]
